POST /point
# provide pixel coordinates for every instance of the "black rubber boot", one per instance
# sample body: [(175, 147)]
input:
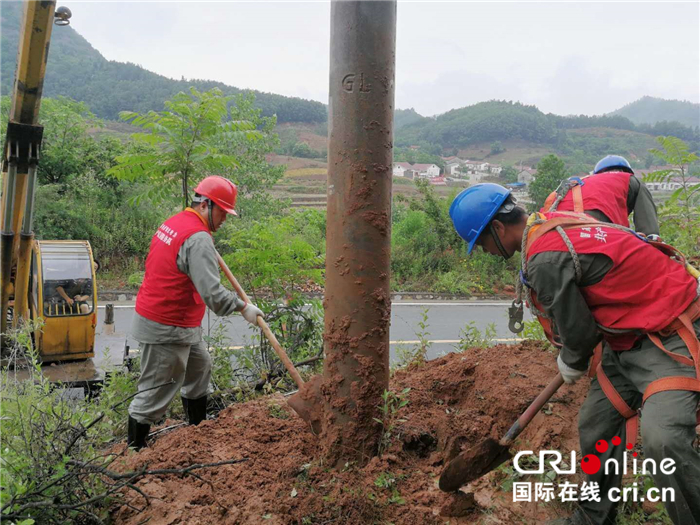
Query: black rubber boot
[(195, 409), (137, 434)]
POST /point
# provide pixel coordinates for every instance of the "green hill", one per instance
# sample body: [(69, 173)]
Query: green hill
[(583, 139), (404, 117), (77, 70), (486, 121), (650, 110)]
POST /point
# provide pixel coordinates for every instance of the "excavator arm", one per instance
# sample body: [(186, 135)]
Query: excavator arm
[(20, 157)]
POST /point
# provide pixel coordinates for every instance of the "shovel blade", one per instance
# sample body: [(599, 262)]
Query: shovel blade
[(307, 403), (472, 464)]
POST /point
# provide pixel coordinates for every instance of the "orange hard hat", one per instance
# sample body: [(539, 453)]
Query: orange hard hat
[(219, 190)]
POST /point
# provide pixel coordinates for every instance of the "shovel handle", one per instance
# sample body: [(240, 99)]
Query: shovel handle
[(263, 325), (531, 411)]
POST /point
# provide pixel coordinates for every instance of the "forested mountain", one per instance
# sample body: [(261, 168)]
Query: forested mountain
[(77, 70), (486, 121), (650, 110), (503, 120)]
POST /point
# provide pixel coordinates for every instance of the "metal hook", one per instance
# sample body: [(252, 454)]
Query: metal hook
[(62, 16), (515, 317)]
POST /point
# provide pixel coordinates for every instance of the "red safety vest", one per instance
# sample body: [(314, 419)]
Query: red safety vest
[(644, 291), (604, 192), (167, 295)]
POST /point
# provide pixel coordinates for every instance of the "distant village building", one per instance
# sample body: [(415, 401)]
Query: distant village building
[(411, 171), (427, 171), (673, 184), (473, 170), (400, 168), (453, 168), (526, 175)]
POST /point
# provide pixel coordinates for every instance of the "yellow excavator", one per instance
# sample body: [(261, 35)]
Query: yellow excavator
[(49, 282)]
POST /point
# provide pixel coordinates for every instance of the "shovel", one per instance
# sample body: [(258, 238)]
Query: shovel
[(482, 458), (304, 402)]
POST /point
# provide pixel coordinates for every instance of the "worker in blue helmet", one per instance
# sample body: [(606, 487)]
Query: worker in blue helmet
[(611, 194), (488, 208), (613, 163), (570, 281)]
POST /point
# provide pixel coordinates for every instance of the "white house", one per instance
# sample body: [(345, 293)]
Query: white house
[(673, 184), (427, 171), (495, 169), (453, 168), (400, 168), (526, 175)]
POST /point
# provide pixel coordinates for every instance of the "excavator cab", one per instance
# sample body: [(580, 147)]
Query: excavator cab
[(64, 298)]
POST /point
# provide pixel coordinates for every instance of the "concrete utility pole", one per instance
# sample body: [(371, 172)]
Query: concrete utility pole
[(357, 302)]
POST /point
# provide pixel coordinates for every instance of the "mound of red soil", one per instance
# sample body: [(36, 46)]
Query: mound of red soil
[(455, 401)]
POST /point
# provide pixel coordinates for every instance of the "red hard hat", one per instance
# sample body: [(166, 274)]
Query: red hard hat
[(219, 190)]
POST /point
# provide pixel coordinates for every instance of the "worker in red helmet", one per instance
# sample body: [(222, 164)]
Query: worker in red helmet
[(182, 280)]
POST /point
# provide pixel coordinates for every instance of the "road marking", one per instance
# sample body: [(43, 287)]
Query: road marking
[(453, 341), (471, 303), (504, 303)]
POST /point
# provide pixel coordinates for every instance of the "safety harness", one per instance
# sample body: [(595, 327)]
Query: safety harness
[(574, 185), (538, 225)]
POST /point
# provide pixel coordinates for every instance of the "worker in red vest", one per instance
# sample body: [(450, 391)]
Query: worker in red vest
[(611, 194), (598, 281), (182, 279)]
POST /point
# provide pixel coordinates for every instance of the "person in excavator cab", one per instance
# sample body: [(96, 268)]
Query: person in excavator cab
[(597, 281), (182, 279)]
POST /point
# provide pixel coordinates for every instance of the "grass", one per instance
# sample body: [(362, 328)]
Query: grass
[(301, 172)]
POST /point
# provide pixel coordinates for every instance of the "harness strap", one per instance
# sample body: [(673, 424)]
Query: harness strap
[(683, 326), (595, 361), (550, 201), (571, 220), (631, 415), (578, 198)]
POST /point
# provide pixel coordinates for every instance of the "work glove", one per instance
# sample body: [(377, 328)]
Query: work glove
[(570, 375), (250, 313)]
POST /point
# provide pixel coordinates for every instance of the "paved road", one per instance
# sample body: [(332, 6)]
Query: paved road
[(445, 321)]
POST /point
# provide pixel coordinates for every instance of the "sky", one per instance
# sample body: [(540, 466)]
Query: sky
[(564, 57)]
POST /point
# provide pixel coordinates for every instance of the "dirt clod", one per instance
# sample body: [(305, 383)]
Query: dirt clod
[(458, 505)]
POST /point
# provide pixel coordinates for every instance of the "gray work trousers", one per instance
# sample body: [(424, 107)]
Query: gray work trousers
[(188, 365), (668, 422)]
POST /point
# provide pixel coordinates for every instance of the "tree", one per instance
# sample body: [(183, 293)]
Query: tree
[(497, 147), (65, 145), (551, 170), (183, 143), (252, 173), (509, 174), (680, 211)]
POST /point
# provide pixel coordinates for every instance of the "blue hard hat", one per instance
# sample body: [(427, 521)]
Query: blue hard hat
[(473, 209), (612, 162)]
